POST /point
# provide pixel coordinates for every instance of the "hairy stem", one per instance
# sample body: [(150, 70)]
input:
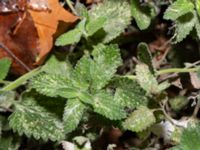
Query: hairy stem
[(21, 63), (69, 3), (176, 70), (21, 80), (4, 82), (170, 70)]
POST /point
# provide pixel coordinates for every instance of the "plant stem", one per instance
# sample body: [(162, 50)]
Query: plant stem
[(130, 77), (176, 70), (170, 70), (21, 63), (21, 80), (4, 82), (69, 3)]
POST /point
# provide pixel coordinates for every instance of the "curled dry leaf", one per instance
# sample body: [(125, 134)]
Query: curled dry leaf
[(27, 28), (20, 47), (194, 80), (46, 23)]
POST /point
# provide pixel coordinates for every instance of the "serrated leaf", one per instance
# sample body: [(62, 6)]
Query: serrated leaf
[(106, 60), (129, 93), (54, 85), (117, 14), (144, 55), (95, 72), (85, 97), (5, 66), (146, 79), (54, 105), (81, 10), (59, 66), (72, 36), (184, 26), (139, 120), (163, 86), (94, 25), (197, 25), (105, 105), (197, 4), (142, 19), (6, 99), (73, 113), (81, 77), (190, 138), (31, 119), (178, 8)]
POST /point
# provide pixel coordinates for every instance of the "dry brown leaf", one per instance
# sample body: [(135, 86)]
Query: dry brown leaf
[(177, 83), (194, 80), (27, 30), (20, 47), (46, 23)]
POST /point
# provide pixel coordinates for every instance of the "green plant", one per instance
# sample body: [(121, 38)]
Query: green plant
[(60, 100), (185, 13)]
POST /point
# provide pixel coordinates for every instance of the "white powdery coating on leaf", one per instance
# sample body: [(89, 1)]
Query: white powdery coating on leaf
[(118, 15)]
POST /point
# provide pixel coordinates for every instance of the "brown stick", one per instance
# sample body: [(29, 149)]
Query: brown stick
[(21, 63)]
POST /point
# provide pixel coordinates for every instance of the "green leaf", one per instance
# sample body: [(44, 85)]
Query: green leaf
[(7, 99), (95, 72), (117, 14), (94, 25), (59, 66), (163, 86), (34, 120), (178, 8), (190, 138), (142, 19), (54, 85), (85, 97), (197, 4), (146, 79), (5, 66), (144, 55), (73, 114), (9, 142), (184, 26), (129, 93), (140, 120), (72, 36), (106, 61), (197, 25), (81, 10), (105, 105), (177, 103), (80, 76)]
